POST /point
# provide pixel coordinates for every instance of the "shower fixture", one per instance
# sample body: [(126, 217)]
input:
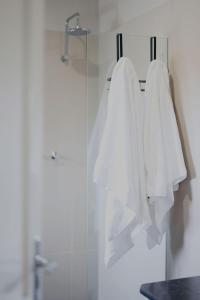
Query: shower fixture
[(72, 31)]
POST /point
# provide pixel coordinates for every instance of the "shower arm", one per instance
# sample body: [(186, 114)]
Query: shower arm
[(64, 57)]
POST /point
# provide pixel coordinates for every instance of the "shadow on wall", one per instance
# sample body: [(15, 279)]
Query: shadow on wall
[(179, 215)]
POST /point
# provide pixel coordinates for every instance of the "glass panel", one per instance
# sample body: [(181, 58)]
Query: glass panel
[(92, 108), (64, 218)]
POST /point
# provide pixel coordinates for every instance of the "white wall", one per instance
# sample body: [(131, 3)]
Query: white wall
[(180, 21), (184, 248), (57, 12), (114, 13)]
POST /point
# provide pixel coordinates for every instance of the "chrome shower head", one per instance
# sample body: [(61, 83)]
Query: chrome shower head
[(78, 31), (72, 31)]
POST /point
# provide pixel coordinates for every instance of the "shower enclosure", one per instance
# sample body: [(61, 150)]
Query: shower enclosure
[(68, 254), (64, 212)]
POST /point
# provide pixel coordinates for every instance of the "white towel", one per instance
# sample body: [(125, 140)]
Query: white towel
[(119, 168), (164, 162)]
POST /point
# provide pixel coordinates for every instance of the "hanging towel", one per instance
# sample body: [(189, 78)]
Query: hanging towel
[(164, 162), (119, 168)]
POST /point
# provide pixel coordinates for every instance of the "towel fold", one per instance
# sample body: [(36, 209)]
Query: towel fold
[(163, 157)]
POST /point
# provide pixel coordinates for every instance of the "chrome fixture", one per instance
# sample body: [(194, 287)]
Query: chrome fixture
[(40, 264), (72, 31)]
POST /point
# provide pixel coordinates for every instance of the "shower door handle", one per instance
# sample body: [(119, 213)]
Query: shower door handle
[(40, 264), (43, 263)]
